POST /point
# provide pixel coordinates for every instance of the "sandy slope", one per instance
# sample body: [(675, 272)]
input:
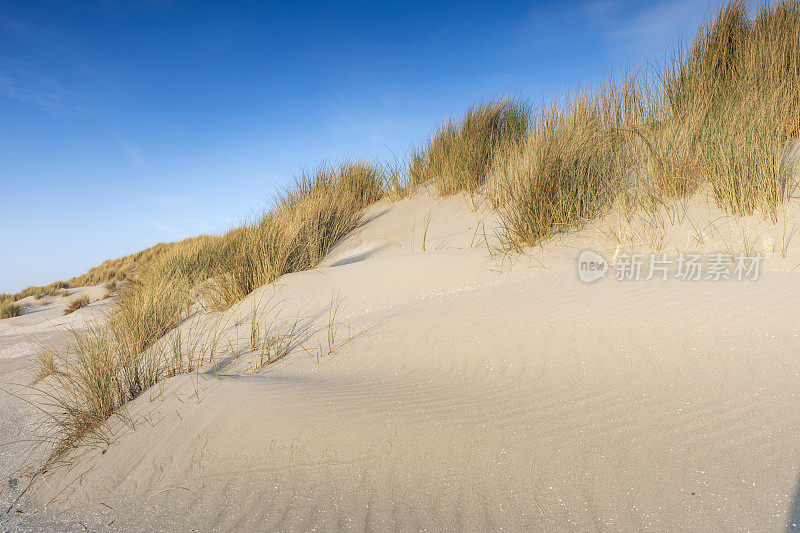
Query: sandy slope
[(21, 429), (43, 321), (471, 390)]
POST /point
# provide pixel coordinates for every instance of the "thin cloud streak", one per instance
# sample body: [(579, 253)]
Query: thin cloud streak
[(647, 30)]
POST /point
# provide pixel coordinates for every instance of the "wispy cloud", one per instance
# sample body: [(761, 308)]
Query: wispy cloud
[(21, 81), (18, 26), (33, 77), (646, 27), (58, 230), (165, 229), (133, 154)]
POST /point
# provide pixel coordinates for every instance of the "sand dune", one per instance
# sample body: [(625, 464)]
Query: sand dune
[(44, 320), (468, 389)]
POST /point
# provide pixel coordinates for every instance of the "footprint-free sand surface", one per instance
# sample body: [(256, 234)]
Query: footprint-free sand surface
[(456, 387), (23, 433)]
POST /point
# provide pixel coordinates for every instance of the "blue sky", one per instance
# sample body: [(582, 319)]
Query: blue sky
[(124, 124)]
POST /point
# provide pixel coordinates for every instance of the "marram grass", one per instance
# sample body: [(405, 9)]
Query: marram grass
[(10, 309)]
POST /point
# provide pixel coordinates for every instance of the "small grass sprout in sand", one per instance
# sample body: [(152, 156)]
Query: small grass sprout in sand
[(425, 228), (336, 302), (254, 325), (277, 343)]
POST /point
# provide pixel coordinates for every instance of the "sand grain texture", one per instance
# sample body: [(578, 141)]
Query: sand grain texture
[(23, 429)]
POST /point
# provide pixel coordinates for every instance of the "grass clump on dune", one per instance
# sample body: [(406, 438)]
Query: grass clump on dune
[(9, 309), (120, 269), (77, 303), (721, 116), (37, 292), (111, 289), (110, 271), (459, 154), (566, 171), (736, 92), (307, 220)]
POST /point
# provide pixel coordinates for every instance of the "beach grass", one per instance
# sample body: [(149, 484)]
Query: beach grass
[(459, 153), (720, 116), (735, 95), (77, 303), (567, 170), (9, 309), (111, 289)]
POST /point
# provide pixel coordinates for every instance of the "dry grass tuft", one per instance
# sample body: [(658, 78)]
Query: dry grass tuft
[(565, 172), (85, 392), (736, 96), (76, 304), (111, 289), (305, 223), (36, 292), (10, 309), (120, 269), (45, 363), (722, 114), (459, 154)]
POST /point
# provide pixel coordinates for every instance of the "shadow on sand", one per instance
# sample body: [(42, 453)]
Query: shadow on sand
[(794, 513)]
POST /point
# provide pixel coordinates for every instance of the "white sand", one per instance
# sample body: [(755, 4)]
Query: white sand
[(22, 433), (470, 390), (43, 321)]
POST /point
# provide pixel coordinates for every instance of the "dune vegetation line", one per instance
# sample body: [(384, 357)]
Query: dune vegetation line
[(717, 114)]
